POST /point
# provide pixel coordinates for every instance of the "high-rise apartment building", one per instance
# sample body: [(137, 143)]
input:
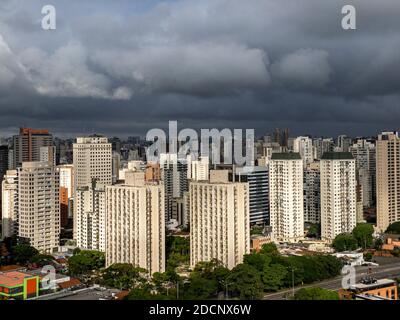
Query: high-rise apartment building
[(258, 180), (343, 143), (28, 143), (92, 160), (174, 176), (91, 217), (39, 205), (312, 193), (338, 194), (364, 153), (219, 221), (48, 154), (304, 146), (198, 170), (3, 167), (322, 145), (9, 191), (286, 197), (135, 225), (387, 179), (153, 172)]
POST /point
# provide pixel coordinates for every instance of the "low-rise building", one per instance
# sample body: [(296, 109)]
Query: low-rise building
[(385, 288), (18, 285)]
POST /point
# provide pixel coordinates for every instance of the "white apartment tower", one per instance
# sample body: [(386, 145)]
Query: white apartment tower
[(67, 178), (9, 192), (219, 221), (39, 205), (91, 217), (92, 160), (387, 179), (304, 146), (338, 194), (135, 225), (286, 197)]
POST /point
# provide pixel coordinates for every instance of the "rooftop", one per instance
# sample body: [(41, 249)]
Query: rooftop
[(286, 156), (369, 286), (337, 156), (13, 278)]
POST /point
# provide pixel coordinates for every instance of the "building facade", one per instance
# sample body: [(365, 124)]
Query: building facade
[(92, 160), (312, 193), (91, 217), (9, 191), (338, 194), (28, 143), (39, 205), (219, 222), (258, 180), (387, 179), (135, 226), (286, 197)]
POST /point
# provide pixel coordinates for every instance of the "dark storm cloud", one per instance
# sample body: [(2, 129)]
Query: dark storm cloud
[(122, 67)]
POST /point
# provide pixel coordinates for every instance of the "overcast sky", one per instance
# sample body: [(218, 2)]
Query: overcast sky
[(123, 67)]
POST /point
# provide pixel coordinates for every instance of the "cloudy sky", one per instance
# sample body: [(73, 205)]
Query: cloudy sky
[(123, 67)]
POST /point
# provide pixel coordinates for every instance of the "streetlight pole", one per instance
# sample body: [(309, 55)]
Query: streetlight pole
[(293, 281)]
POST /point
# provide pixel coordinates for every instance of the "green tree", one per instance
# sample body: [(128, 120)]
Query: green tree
[(363, 234), (273, 276), (42, 259), (257, 260), (23, 253), (315, 294), (124, 276), (394, 228), (245, 282), (85, 262), (344, 242), (269, 248)]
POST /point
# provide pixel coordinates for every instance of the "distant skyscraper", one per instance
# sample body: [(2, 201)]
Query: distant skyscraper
[(286, 197), (28, 143), (219, 221), (39, 205), (91, 217), (10, 203), (135, 225), (48, 154), (338, 194), (312, 193), (153, 172), (364, 153), (343, 143), (258, 180), (116, 164), (174, 175), (322, 146), (198, 170), (304, 146), (387, 179)]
